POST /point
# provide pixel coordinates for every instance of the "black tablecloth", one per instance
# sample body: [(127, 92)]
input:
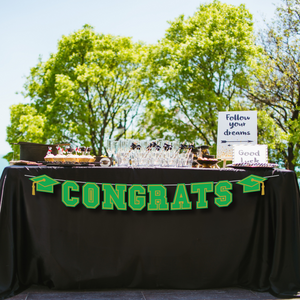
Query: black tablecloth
[(251, 242)]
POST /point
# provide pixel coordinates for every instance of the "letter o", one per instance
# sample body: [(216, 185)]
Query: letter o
[(91, 195)]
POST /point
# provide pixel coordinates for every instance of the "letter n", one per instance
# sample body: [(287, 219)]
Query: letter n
[(114, 197)]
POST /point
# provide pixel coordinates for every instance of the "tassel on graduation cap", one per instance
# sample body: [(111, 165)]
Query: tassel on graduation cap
[(43, 183), (33, 185), (253, 183), (262, 186)]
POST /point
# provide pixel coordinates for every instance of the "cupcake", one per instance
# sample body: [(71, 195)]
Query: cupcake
[(76, 156), (83, 158), (89, 156), (49, 156), (70, 158), (59, 157), (92, 159)]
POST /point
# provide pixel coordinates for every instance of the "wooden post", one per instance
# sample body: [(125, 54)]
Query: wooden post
[(224, 163)]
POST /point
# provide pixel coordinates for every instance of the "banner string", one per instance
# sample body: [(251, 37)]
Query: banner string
[(165, 184)]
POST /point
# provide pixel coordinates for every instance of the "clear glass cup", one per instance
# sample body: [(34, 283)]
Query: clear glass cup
[(189, 160), (123, 159), (114, 147), (109, 146)]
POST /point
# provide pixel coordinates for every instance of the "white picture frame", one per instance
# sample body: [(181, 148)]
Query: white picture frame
[(250, 154), (235, 128)]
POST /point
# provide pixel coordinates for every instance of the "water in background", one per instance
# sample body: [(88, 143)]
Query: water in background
[(3, 163)]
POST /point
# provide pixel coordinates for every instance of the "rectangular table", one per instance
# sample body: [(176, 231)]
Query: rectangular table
[(93, 228)]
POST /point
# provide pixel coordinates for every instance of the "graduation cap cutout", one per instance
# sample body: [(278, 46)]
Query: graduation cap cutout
[(252, 184), (43, 183)]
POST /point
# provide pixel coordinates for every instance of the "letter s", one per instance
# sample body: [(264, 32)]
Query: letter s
[(221, 190)]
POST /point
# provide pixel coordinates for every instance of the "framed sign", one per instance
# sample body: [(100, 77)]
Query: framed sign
[(235, 128), (250, 154)]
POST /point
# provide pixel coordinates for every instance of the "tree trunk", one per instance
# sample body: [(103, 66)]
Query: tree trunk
[(289, 163)]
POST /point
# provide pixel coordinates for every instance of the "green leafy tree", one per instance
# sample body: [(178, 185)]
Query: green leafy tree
[(26, 125), (277, 89), (269, 133), (91, 84), (197, 70)]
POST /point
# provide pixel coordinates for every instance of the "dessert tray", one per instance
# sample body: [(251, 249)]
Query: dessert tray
[(207, 161), (253, 165), (66, 164), (103, 163), (24, 163)]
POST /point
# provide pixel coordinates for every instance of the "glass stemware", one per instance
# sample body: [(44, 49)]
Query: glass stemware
[(149, 153), (109, 146)]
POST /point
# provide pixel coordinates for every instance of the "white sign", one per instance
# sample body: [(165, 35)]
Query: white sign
[(250, 154), (235, 128)]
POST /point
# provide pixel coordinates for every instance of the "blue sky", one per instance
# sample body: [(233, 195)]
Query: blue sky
[(31, 28)]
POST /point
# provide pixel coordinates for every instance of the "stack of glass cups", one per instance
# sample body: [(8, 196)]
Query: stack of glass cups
[(147, 153)]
